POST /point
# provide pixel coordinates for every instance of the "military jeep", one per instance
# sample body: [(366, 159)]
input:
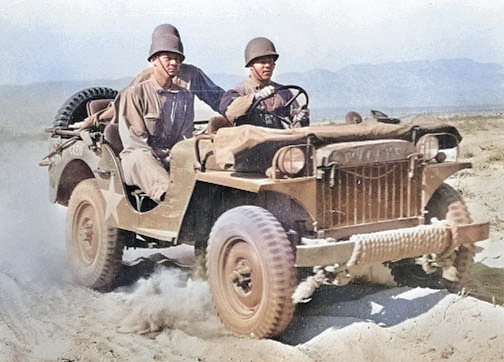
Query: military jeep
[(274, 212)]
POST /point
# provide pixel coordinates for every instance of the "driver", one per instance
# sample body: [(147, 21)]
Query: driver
[(261, 92)]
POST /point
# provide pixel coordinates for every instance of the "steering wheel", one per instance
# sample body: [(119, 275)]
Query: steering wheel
[(295, 92)]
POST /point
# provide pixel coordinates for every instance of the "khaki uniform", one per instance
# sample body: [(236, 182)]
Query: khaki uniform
[(151, 120), (189, 77), (145, 157), (236, 105), (236, 102)]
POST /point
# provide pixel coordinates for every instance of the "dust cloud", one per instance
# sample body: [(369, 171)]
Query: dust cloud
[(38, 297), (32, 235), (31, 229), (170, 299)]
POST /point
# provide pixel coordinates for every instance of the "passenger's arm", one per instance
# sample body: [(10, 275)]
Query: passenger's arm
[(132, 130), (206, 90)]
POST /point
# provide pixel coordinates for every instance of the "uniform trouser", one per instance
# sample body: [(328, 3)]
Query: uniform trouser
[(143, 169)]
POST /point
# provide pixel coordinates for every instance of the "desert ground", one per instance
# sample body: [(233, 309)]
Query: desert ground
[(166, 316)]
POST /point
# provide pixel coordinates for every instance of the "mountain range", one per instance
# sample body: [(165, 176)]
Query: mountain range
[(445, 83), (440, 83)]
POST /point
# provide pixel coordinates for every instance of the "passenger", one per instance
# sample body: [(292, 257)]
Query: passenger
[(189, 77), (260, 58), (153, 115)]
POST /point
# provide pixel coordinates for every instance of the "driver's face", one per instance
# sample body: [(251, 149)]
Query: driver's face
[(262, 68)]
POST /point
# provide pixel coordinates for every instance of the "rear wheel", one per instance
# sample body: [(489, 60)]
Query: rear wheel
[(445, 204), (94, 250), (250, 267)]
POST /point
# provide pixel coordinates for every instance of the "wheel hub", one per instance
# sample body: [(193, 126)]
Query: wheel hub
[(241, 277), (86, 234)]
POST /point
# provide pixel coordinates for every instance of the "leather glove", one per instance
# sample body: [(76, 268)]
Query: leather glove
[(264, 92), (301, 118)]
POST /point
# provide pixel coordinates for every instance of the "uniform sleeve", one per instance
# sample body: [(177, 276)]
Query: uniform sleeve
[(233, 105), (205, 89), (132, 129)]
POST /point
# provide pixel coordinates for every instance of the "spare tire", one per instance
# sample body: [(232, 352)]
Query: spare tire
[(74, 109)]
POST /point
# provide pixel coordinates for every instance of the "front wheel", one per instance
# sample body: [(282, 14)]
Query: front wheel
[(94, 249), (250, 268)]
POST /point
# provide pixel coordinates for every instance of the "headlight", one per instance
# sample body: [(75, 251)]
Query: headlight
[(291, 161), (428, 146)]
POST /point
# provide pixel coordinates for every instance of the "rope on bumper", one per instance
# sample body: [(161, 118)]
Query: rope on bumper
[(400, 244)]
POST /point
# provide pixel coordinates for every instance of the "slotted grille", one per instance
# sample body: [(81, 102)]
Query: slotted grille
[(352, 195)]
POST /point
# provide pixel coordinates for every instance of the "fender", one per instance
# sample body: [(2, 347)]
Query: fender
[(72, 165), (434, 175)]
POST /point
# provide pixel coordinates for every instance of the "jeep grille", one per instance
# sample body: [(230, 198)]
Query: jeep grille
[(370, 193)]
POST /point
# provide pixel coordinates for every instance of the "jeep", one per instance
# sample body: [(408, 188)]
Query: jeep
[(274, 213)]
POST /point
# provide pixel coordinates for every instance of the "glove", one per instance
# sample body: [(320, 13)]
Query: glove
[(264, 92), (301, 118)]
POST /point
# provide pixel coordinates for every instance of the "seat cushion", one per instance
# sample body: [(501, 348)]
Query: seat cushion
[(111, 135), (97, 105)]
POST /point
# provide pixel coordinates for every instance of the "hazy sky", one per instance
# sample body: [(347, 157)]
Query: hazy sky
[(93, 39)]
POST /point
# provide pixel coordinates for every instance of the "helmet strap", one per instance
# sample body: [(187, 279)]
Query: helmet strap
[(164, 79), (256, 76)]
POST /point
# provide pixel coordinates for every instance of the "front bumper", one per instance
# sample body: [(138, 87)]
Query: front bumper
[(384, 246)]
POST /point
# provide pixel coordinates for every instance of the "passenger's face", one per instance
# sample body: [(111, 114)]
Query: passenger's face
[(262, 68), (168, 63)]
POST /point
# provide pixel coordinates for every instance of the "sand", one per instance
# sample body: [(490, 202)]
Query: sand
[(168, 317)]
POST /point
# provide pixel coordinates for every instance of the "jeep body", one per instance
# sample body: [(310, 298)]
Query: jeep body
[(275, 213)]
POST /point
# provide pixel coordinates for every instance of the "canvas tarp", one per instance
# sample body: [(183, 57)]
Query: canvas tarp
[(230, 141)]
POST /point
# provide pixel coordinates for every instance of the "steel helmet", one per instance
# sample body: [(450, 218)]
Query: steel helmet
[(165, 29), (164, 42), (259, 47)]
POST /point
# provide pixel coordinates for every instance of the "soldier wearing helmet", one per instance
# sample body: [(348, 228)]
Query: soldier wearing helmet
[(189, 77), (153, 115), (260, 58)]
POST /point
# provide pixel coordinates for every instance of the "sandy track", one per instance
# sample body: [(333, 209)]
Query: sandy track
[(44, 317)]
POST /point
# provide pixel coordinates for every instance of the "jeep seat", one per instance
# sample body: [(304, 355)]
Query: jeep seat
[(216, 123), (96, 105), (111, 136), (111, 131)]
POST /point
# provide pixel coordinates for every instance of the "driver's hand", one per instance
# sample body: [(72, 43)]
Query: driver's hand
[(301, 118), (264, 92)]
